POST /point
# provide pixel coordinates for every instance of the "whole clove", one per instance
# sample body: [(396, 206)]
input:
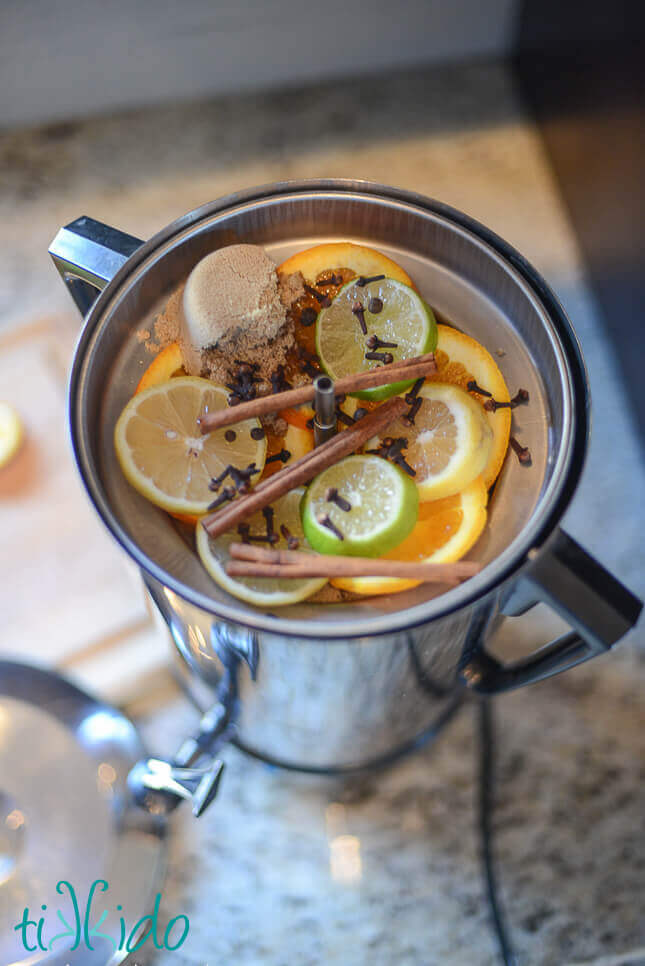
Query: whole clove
[(373, 342), (325, 521), (344, 417), (333, 496), (403, 464), (523, 452), (230, 435), (329, 277), (375, 305), (492, 405), (244, 531), (359, 312), (217, 481), (292, 542), (257, 433), (243, 384), (278, 381), (261, 538), (473, 387), (384, 357), (269, 514), (280, 457), (414, 392), (411, 414), (520, 397), (392, 449), (320, 297), (227, 494), (363, 280), (400, 460), (242, 478), (308, 316)]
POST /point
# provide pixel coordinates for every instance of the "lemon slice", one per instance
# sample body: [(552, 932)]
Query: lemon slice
[(449, 443), (375, 507), (162, 452), (445, 531), (261, 591), (11, 433), (461, 359), (397, 315)]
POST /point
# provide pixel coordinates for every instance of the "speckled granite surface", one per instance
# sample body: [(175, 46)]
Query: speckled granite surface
[(262, 877), (267, 877)]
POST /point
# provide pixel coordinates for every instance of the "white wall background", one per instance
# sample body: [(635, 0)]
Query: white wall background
[(68, 58)]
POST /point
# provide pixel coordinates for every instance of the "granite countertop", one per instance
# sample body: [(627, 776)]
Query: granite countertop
[(261, 876), (262, 881)]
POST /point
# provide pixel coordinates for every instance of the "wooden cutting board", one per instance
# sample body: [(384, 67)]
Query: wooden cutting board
[(68, 595)]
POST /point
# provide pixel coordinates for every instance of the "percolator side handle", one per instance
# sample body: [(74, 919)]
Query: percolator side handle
[(567, 578), (88, 254)]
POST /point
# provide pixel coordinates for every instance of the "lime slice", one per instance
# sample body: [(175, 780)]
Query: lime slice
[(449, 443), (165, 457), (11, 433), (367, 501), (392, 311), (261, 591)]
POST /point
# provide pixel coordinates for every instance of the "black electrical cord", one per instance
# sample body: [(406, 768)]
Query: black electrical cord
[(486, 779)]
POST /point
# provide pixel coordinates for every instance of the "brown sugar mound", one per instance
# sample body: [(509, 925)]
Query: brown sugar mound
[(266, 345)]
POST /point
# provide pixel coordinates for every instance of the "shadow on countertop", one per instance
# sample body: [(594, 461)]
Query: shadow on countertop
[(582, 73)]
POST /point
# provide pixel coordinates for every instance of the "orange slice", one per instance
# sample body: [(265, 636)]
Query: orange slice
[(445, 531), (461, 359), (298, 416), (360, 258), (163, 366)]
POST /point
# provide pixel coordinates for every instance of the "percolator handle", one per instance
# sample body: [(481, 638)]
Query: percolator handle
[(563, 575), (88, 254)]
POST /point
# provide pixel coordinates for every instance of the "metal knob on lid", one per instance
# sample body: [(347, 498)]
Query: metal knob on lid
[(325, 409)]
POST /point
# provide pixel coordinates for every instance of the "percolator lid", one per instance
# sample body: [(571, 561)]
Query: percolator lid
[(68, 830)]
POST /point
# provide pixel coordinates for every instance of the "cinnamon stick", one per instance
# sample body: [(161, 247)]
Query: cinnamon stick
[(406, 369), (250, 561), (305, 468)]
